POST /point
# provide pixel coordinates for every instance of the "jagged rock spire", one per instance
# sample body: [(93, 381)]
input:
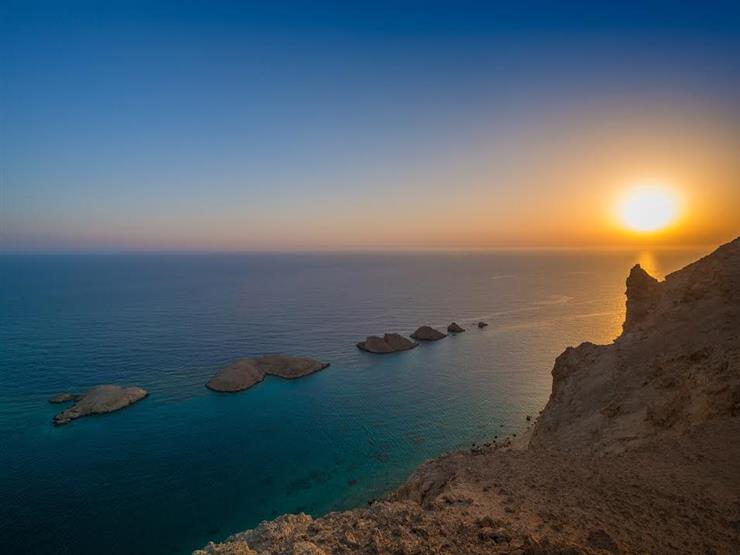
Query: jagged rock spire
[(643, 291)]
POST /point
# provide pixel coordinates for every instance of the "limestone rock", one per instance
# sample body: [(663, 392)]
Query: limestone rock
[(101, 399), (246, 372)]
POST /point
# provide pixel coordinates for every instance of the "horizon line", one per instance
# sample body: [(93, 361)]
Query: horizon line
[(355, 250)]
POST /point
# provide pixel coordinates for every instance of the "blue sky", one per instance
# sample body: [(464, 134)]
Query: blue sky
[(241, 126)]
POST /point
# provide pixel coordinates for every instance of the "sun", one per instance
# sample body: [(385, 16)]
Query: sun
[(648, 208)]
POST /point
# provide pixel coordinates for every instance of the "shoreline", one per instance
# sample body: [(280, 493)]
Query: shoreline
[(626, 444)]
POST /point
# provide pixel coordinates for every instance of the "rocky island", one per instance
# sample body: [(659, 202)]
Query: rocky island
[(454, 327), (246, 372), (637, 450), (389, 343), (101, 399), (428, 333)]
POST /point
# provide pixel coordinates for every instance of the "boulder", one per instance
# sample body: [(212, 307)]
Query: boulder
[(389, 343), (101, 399), (455, 328), (246, 372), (428, 333), (482, 325)]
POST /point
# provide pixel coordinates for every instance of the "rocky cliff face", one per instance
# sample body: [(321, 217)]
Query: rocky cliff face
[(676, 364), (637, 450)]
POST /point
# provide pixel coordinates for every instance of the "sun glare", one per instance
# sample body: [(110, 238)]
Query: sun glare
[(648, 208)]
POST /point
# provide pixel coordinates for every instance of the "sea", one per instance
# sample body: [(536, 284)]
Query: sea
[(187, 465)]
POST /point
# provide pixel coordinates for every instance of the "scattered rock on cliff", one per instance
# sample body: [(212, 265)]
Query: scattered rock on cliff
[(389, 343), (428, 333), (101, 399), (246, 372), (455, 328)]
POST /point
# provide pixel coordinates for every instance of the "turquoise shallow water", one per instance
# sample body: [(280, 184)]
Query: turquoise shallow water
[(187, 465)]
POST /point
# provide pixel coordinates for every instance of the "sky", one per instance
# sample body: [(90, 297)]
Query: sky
[(244, 126)]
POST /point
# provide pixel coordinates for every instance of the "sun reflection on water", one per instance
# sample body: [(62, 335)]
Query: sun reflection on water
[(648, 261)]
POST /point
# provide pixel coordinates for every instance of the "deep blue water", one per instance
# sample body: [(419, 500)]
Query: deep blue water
[(187, 465)]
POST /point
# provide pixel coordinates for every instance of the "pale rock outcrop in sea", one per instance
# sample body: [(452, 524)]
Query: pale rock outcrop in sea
[(427, 333), (455, 328), (389, 343), (101, 399), (246, 372), (637, 450), (63, 398)]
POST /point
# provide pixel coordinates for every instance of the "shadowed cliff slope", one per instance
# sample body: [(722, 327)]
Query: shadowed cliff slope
[(676, 364), (637, 450)]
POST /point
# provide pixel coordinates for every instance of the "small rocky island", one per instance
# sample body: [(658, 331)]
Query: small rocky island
[(101, 399), (246, 372), (428, 333), (389, 343), (454, 327), (482, 325)]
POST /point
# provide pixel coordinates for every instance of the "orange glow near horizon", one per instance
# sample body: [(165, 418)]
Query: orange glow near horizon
[(529, 190)]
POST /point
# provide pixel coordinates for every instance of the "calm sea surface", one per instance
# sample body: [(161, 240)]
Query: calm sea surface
[(187, 465)]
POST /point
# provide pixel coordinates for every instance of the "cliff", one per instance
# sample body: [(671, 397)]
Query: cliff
[(637, 450), (676, 364)]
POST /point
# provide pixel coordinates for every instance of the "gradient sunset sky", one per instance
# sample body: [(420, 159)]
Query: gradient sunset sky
[(311, 125)]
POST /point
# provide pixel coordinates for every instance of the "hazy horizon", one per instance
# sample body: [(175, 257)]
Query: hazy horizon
[(301, 127), (379, 250)]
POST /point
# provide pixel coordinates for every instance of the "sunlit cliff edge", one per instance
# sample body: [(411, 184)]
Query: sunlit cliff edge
[(637, 450)]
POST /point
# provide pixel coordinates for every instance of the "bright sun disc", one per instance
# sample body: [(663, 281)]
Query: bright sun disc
[(648, 208)]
